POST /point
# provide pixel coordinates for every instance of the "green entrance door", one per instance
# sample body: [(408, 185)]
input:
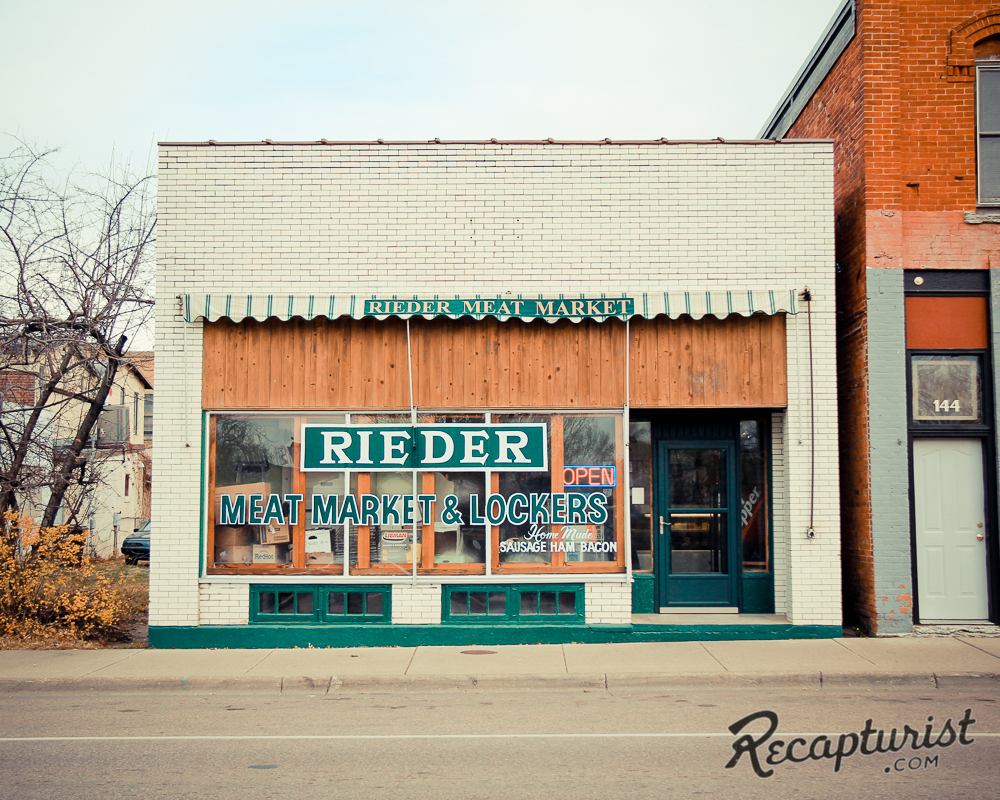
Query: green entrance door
[(696, 560)]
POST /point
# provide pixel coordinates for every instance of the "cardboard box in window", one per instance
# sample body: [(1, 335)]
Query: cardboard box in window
[(234, 554), (321, 558), (318, 541), (395, 546), (233, 536), (270, 554), (273, 534), (245, 489)]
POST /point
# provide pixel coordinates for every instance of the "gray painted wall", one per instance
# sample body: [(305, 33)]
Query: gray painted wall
[(995, 343), (890, 473)]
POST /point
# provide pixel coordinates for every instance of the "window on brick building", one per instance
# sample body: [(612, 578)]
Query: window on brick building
[(988, 131)]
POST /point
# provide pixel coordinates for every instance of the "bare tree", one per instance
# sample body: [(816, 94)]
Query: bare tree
[(76, 274)]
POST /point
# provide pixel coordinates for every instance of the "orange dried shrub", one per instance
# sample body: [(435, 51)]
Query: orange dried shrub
[(48, 585)]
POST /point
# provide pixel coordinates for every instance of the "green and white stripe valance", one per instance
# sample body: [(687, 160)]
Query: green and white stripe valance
[(553, 307)]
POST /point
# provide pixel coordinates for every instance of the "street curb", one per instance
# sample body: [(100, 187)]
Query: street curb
[(717, 680), (316, 685), (966, 680), (559, 682), (592, 682), (130, 685), (847, 680)]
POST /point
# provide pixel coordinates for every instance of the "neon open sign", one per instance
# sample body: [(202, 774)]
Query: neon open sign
[(587, 477)]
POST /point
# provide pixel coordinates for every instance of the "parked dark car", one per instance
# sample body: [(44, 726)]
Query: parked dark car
[(136, 546)]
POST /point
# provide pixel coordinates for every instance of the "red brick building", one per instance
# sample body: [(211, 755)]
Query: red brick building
[(910, 94)]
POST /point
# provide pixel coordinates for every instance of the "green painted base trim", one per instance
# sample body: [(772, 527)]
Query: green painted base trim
[(642, 593), (758, 593), (272, 636), (732, 633)]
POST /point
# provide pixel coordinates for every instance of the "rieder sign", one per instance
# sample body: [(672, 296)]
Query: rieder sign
[(596, 307), (444, 446)]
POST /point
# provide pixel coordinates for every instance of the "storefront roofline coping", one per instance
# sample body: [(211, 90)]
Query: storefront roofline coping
[(405, 410), (380, 142), (422, 580)]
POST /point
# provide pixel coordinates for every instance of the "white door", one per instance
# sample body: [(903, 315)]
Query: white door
[(951, 529)]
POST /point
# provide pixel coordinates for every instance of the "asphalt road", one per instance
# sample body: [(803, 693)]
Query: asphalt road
[(490, 744)]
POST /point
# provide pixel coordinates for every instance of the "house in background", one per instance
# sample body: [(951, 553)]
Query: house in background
[(121, 459), (110, 492), (910, 94)]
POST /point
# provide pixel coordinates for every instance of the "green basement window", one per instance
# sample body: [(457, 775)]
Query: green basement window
[(562, 604), (337, 605)]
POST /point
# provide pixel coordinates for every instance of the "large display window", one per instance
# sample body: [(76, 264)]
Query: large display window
[(379, 495)]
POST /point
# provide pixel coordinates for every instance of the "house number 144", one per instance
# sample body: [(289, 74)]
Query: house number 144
[(945, 405)]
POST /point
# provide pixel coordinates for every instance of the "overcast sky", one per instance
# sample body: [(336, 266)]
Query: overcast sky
[(108, 76)]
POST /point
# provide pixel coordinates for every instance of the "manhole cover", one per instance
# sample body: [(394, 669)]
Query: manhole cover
[(479, 652)]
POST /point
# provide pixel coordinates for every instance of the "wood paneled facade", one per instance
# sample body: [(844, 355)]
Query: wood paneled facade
[(738, 362)]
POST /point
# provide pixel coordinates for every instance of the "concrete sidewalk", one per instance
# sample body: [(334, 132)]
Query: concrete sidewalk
[(810, 663)]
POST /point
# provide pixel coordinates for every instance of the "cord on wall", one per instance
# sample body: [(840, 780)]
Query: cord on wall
[(811, 530)]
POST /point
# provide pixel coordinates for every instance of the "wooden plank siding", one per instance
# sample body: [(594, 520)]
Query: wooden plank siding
[(348, 364), (738, 362), (468, 364), (305, 365)]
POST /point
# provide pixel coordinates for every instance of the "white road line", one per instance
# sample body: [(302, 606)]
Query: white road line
[(320, 737)]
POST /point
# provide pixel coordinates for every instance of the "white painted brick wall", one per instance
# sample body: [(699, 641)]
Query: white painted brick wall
[(608, 603), (224, 603), (779, 495), (176, 501), (811, 566), (488, 218), (418, 604)]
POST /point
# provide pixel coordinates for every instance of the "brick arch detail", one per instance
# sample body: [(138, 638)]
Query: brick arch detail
[(961, 61)]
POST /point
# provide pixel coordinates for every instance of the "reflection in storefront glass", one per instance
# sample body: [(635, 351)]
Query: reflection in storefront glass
[(380, 419), (753, 497), (257, 454), (392, 542), (589, 442), (529, 542), (697, 478), (640, 503), (253, 457), (324, 543), (697, 543), (445, 419), (459, 542)]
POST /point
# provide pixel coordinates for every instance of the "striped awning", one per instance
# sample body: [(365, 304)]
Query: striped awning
[(551, 307)]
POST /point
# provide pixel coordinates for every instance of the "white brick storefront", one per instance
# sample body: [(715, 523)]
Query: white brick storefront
[(481, 218)]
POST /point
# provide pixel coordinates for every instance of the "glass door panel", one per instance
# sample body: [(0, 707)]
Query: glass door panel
[(697, 478), (697, 539), (698, 543)]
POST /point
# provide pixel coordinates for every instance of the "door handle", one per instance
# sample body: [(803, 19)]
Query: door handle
[(979, 536), (663, 524)]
